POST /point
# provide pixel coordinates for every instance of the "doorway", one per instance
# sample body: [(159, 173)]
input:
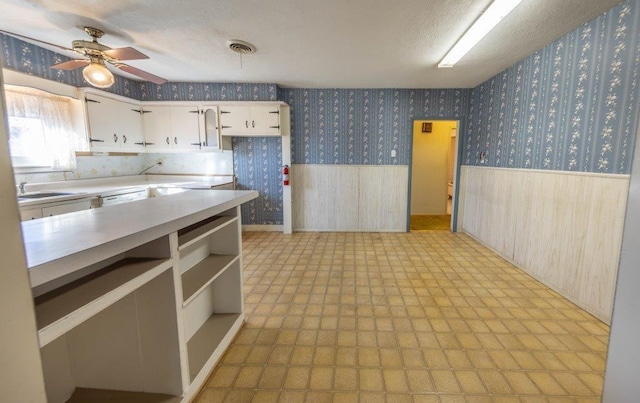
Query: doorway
[(434, 152)]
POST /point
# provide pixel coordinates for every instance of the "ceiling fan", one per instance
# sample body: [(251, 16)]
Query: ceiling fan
[(95, 70)]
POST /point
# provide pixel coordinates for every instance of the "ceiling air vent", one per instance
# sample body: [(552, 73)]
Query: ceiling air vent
[(242, 47)]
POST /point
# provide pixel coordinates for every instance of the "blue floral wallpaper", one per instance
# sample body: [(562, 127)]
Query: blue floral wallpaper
[(363, 126), (177, 91), (571, 106)]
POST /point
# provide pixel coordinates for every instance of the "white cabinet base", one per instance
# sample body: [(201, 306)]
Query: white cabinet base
[(154, 319)]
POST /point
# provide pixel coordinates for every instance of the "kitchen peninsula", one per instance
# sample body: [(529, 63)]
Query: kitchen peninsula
[(138, 299)]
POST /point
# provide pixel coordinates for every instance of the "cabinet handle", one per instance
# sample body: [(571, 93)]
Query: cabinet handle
[(149, 144), (175, 140), (140, 144), (246, 124), (195, 144), (225, 112), (196, 111), (274, 127), (91, 100), (95, 140), (168, 140), (124, 139), (115, 138), (278, 112), (226, 127), (253, 123)]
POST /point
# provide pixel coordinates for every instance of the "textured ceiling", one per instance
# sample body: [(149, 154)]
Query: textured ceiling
[(329, 43)]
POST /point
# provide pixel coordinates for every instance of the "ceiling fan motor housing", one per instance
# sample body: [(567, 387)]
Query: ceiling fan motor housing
[(89, 48)]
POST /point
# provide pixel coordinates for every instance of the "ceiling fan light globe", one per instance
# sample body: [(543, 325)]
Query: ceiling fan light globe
[(98, 75)]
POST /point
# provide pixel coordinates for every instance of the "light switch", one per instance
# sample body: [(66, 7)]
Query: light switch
[(393, 153)]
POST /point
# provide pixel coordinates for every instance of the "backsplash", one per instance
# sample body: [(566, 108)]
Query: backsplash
[(210, 163), (572, 106), (363, 126), (91, 167)]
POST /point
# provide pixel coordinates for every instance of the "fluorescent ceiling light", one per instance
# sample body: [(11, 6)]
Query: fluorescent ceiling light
[(485, 23)]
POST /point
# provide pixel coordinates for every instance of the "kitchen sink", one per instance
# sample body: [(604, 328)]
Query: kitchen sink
[(41, 195)]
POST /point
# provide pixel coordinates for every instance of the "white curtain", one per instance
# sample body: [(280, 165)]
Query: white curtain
[(54, 114)]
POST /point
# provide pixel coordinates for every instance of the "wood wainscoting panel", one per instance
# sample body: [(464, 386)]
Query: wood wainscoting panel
[(324, 197), (563, 228), (382, 198), (349, 197)]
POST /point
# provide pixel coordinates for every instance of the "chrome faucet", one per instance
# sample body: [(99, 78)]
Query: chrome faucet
[(21, 187)]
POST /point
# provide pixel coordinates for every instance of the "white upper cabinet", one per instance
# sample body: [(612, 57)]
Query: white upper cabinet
[(157, 127), (181, 128), (185, 127), (210, 130), (118, 124), (252, 119), (171, 127), (114, 124)]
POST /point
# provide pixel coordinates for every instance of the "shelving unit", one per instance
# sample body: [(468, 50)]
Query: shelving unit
[(203, 274), (113, 330), (211, 277), (63, 309), (145, 316)]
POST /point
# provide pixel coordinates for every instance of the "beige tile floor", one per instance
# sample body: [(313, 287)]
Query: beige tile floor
[(417, 317)]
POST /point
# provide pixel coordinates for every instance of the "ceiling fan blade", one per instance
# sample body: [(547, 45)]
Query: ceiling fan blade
[(28, 39), (125, 54), (71, 64), (141, 73)]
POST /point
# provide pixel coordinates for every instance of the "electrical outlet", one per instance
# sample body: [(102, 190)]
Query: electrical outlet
[(393, 153)]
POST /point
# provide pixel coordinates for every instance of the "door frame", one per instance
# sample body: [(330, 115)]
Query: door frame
[(456, 170)]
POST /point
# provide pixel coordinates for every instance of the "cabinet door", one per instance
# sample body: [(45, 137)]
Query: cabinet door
[(234, 120), (185, 130), (265, 120), (102, 116), (157, 127), (210, 135), (130, 130)]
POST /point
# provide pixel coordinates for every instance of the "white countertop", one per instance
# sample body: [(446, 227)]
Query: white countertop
[(59, 245), (89, 188)]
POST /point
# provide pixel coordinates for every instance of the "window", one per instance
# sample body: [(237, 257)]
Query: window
[(41, 131)]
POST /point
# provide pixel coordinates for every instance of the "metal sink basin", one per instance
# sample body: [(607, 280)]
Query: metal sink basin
[(41, 195)]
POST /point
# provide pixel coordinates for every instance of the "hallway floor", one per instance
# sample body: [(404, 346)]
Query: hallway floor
[(416, 317)]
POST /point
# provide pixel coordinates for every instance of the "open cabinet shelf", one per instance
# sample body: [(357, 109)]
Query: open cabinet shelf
[(208, 343), (61, 310), (211, 276), (194, 233), (204, 273)]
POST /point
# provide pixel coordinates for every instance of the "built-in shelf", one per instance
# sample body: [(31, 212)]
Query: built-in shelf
[(83, 395), (194, 233), (204, 273), (206, 345), (61, 310)]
